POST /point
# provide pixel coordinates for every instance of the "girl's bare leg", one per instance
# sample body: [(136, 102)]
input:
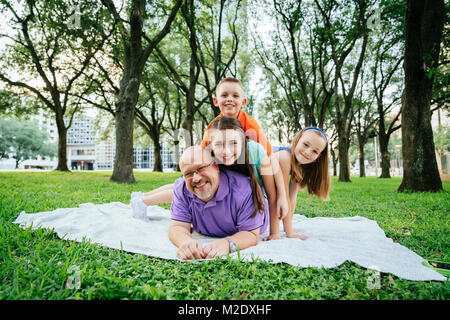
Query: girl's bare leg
[(157, 190), (157, 196), (139, 204)]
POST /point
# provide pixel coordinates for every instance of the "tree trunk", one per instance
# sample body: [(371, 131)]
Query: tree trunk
[(424, 25), (334, 160), (134, 59), (343, 145), (385, 165), (62, 144), (362, 167), (176, 143), (188, 125), (385, 156), (157, 163), (309, 116), (123, 161)]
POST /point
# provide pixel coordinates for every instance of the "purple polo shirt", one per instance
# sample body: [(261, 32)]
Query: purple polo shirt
[(228, 212)]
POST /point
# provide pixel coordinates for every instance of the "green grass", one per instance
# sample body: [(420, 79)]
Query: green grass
[(34, 263)]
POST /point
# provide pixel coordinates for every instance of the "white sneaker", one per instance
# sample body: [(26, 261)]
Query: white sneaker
[(136, 194), (139, 209)]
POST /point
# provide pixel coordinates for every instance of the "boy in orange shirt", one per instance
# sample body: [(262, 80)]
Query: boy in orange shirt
[(230, 100)]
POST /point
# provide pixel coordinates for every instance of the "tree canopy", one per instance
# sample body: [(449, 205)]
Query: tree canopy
[(339, 65)]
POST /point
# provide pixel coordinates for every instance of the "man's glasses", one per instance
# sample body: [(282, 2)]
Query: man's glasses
[(200, 170)]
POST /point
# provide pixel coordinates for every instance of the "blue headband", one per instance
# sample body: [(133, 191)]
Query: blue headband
[(314, 128)]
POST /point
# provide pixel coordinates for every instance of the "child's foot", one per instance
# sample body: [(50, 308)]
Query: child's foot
[(139, 209), (275, 236), (294, 235), (136, 195)]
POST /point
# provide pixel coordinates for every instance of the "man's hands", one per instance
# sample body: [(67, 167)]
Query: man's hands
[(192, 249), (216, 248), (189, 248)]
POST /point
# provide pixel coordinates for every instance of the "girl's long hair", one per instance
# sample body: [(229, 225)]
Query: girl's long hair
[(315, 176), (242, 164)]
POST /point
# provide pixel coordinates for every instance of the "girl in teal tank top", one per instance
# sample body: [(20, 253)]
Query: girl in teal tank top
[(232, 149)]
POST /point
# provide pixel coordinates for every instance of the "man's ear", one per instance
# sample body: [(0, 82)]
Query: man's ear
[(244, 102), (216, 102)]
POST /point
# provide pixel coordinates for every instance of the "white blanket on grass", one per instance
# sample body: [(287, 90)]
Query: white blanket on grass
[(331, 242)]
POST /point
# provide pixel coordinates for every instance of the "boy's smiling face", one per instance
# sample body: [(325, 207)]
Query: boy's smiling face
[(230, 99)]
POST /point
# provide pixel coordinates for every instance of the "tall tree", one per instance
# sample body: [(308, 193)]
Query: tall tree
[(280, 118), (137, 47), (298, 59), (211, 54), (47, 55), (151, 111), (363, 122), (424, 25), (219, 50), (343, 32), (387, 77)]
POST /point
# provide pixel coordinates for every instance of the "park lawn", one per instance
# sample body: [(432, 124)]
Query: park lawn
[(34, 264)]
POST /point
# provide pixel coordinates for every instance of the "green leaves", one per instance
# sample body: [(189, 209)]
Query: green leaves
[(23, 140)]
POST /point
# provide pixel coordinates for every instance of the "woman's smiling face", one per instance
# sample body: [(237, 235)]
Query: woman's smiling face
[(227, 145)]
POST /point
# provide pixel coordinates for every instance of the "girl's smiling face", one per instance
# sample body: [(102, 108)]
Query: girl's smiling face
[(309, 147), (227, 145)]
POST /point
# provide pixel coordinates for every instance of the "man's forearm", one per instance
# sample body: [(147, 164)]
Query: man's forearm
[(178, 235), (245, 239)]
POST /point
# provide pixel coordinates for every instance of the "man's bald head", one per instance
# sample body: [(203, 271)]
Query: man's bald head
[(195, 155)]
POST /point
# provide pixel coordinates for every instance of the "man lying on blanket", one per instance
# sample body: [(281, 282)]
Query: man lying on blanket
[(217, 203)]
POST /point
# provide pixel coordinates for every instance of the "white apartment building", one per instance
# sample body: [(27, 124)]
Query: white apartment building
[(104, 155), (81, 143), (143, 158)]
